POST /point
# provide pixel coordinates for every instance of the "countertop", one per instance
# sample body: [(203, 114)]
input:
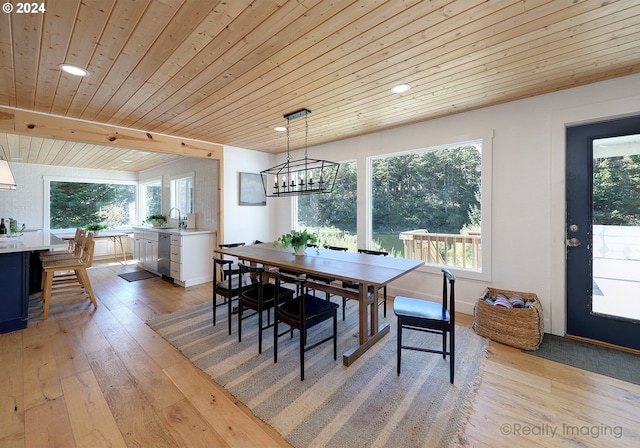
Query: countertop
[(174, 230), (29, 241)]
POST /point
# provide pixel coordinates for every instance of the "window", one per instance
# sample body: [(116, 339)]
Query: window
[(427, 204), (76, 204), (182, 193), (150, 198), (332, 216)]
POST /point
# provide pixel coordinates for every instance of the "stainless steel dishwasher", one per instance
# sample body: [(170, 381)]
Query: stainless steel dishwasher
[(164, 254)]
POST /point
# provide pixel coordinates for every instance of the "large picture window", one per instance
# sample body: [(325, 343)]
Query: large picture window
[(333, 216), (426, 205), (76, 204)]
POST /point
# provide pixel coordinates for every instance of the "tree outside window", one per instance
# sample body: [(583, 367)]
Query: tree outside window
[(151, 198), (77, 204), (426, 205), (332, 216)]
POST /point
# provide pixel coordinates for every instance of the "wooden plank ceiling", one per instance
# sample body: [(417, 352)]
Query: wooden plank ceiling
[(226, 71)]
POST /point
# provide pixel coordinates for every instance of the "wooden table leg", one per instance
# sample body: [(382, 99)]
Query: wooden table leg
[(367, 336)]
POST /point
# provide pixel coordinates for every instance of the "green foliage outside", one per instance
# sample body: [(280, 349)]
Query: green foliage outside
[(435, 190), (616, 191), (321, 212), (78, 204), (153, 199)]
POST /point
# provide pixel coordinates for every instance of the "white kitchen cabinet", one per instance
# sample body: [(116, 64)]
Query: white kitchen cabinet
[(191, 257), (191, 253), (146, 249)]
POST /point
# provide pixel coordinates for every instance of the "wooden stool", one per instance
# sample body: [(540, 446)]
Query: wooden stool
[(72, 281)]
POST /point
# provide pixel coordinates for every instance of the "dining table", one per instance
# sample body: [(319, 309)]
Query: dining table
[(368, 272), (115, 237)]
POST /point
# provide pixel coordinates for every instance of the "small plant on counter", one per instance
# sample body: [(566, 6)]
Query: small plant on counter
[(156, 220), (296, 239)]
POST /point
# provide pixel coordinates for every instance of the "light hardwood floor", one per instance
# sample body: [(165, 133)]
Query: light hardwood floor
[(87, 378)]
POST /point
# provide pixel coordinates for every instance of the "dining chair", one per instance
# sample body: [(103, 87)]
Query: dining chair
[(356, 285), (67, 279), (234, 266), (227, 285), (302, 312), (260, 296), (431, 317), (324, 279)]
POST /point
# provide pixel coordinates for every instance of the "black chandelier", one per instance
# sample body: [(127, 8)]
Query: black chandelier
[(301, 176)]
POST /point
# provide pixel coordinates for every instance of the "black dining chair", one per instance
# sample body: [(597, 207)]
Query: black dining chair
[(259, 297), (301, 313), (324, 279), (234, 267), (356, 285), (431, 317), (227, 285)]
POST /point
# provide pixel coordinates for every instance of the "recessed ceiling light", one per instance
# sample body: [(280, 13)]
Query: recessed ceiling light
[(280, 129), (73, 70), (400, 88)]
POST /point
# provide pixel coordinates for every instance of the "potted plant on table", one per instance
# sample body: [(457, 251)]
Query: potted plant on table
[(297, 240), (95, 227)]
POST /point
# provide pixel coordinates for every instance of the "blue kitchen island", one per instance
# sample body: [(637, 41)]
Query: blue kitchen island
[(20, 274)]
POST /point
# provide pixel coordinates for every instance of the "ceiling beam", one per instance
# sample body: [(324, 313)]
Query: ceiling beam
[(37, 124)]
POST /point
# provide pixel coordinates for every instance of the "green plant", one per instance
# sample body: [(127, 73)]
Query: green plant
[(296, 239), (157, 220), (94, 227)]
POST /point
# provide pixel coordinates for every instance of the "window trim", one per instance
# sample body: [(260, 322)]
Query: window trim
[(46, 225)]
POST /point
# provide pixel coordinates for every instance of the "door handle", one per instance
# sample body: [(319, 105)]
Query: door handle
[(573, 242)]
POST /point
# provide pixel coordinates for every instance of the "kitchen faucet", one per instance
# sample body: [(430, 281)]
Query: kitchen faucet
[(179, 216)]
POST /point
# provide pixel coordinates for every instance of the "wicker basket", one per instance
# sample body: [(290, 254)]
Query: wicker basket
[(522, 328)]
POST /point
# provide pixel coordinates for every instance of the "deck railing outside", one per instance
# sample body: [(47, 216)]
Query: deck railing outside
[(442, 248)]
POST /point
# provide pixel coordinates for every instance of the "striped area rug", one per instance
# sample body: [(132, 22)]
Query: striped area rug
[(364, 405)]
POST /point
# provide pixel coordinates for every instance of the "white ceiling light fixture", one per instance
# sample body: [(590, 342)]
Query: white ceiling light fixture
[(401, 88), (7, 181), (280, 129), (73, 70)]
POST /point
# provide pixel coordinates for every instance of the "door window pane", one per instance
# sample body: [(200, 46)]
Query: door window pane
[(616, 226)]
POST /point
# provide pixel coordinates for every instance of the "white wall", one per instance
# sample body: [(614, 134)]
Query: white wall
[(243, 222), (205, 196), (528, 214)]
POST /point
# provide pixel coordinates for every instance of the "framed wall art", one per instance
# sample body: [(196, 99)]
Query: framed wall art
[(251, 189)]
